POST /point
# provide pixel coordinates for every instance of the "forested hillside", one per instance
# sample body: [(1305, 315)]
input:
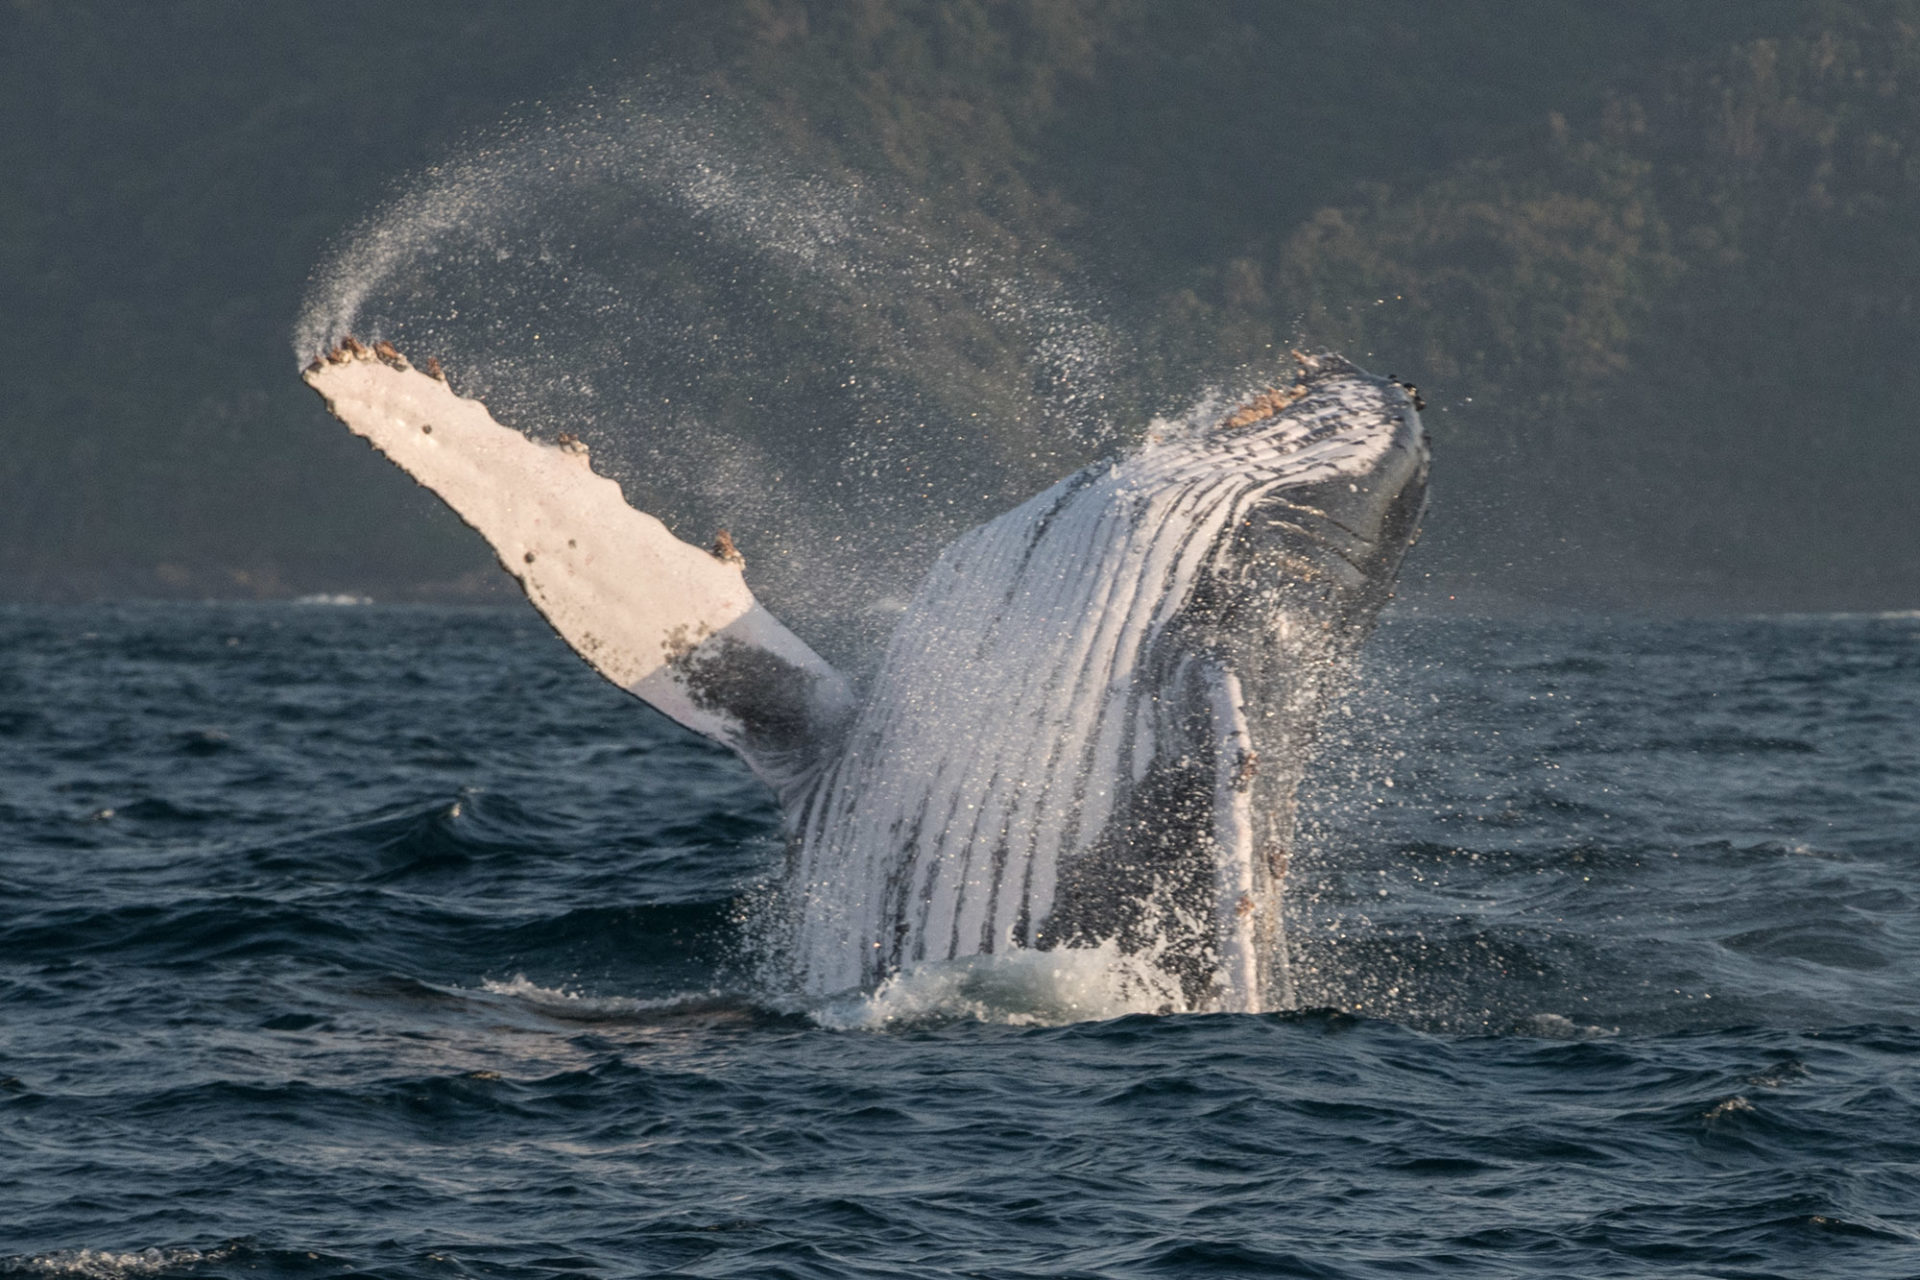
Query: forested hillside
[(1652, 262)]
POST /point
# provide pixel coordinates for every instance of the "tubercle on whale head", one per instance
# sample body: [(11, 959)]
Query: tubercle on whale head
[(351, 349), (1311, 369)]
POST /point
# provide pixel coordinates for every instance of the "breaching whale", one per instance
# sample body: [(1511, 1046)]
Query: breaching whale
[(1090, 722)]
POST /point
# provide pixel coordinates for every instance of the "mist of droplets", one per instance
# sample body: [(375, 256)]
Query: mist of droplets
[(834, 373)]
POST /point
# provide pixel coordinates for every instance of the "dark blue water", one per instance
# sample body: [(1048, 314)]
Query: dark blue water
[(388, 941)]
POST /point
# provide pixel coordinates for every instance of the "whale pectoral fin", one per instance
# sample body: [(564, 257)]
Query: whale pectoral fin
[(1176, 872), (670, 623), (1245, 904)]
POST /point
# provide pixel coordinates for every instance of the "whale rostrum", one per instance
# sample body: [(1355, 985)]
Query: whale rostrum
[(1091, 721)]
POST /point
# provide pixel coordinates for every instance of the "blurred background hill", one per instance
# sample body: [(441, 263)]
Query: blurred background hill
[(1653, 263)]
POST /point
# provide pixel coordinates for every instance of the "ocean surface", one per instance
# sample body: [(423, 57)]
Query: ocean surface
[(389, 941)]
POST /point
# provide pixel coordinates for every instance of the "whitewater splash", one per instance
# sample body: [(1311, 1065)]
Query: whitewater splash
[(1018, 989), (1091, 721)]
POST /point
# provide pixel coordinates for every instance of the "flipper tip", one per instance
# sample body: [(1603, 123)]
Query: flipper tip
[(352, 349)]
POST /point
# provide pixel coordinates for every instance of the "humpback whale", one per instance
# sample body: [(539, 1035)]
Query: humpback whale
[(1091, 719)]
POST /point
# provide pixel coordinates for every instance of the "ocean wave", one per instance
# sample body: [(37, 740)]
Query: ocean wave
[(578, 1006), (435, 964)]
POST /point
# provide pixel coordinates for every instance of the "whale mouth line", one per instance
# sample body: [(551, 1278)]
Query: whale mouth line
[(1319, 514), (1322, 541)]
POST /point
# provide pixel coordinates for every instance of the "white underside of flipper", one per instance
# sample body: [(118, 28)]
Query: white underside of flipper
[(670, 623), (1237, 892)]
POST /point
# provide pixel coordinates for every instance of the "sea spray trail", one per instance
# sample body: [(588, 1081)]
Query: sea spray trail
[(834, 373), (408, 947)]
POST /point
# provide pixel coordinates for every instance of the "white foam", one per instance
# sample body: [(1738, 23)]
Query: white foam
[(563, 1003), (337, 599), (1557, 1026), (106, 1264), (1020, 989), (1732, 1106)]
